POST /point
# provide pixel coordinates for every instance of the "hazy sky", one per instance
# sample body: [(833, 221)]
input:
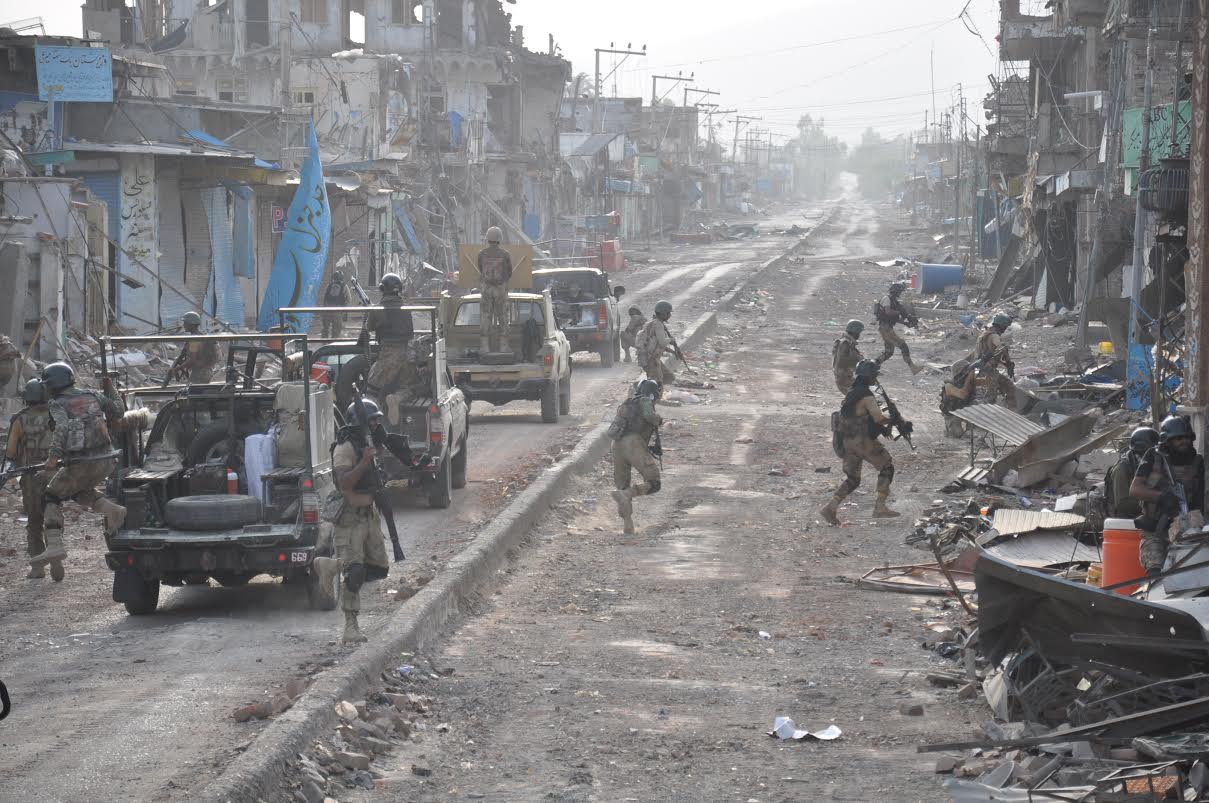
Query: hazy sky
[(775, 59)]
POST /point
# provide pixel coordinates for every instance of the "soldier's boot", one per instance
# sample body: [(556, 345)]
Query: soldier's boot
[(36, 573), (54, 551), (625, 509), (35, 546), (830, 511), (881, 511), (915, 368), (115, 514), (56, 571), (352, 633)]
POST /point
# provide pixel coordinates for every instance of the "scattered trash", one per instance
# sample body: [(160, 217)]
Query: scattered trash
[(785, 729)]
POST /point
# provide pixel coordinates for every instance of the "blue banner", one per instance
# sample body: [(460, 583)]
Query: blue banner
[(302, 253), (74, 73)]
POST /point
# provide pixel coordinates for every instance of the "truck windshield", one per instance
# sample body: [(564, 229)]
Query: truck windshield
[(522, 311), (584, 285)]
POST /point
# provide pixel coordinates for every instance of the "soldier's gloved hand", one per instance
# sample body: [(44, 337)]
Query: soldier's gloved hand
[(906, 427)]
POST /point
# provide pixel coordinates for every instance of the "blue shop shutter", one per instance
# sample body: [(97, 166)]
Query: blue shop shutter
[(105, 187), (223, 297)]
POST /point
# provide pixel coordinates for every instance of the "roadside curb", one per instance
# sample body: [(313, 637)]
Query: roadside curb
[(260, 770)]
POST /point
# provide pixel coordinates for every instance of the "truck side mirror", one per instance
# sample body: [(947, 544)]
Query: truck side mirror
[(618, 292)]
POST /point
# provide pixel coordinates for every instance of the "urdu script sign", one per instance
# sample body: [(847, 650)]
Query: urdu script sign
[(78, 74)]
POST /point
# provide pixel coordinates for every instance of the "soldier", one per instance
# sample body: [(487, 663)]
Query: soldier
[(1117, 501), (198, 358), (845, 355), (861, 423), (357, 532), (957, 392), (29, 436), (394, 329), (993, 354), (495, 271), (336, 295), (633, 427), (889, 312), (635, 324), (81, 421), (1168, 471), (653, 341)]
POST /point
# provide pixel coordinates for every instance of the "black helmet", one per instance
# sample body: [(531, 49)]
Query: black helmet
[(854, 328), (58, 376), (34, 391), (370, 407), (191, 320), (338, 276), (897, 287), (649, 387), (391, 283), (635, 311), (1143, 439), (867, 369), (1001, 322), (1175, 426), (663, 310)]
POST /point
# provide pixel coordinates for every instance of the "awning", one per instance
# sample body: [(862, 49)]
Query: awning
[(594, 144)]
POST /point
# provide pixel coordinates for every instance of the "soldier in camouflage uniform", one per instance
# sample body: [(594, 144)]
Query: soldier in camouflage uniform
[(495, 271), (890, 312), (198, 359), (394, 329), (654, 341), (845, 355), (29, 436), (862, 422), (994, 355), (1118, 479), (1174, 462), (82, 419), (632, 429), (632, 328)]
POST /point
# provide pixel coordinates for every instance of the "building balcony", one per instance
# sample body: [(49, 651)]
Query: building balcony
[(1034, 39)]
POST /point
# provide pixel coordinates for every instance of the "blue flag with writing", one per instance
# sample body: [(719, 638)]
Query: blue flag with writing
[(302, 253)]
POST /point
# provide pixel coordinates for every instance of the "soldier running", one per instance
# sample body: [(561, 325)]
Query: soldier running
[(495, 271), (993, 354), (394, 329), (845, 355), (29, 436), (861, 423), (81, 422), (652, 342), (1168, 472), (889, 312), (633, 427), (357, 531), (632, 328)]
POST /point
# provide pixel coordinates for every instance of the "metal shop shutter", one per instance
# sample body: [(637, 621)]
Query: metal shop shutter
[(105, 186)]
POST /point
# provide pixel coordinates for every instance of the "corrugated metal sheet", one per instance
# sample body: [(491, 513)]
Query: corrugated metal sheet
[(105, 187), (1039, 550), (1001, 422), (224, 291), (172, 246), (1014, 522)]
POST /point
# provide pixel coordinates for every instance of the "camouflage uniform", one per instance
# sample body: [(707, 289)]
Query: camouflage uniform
[(862, 421), (357, 534), (632, 452), (652, 343), (990, 342), (495, 269), (844, 357), (335, 296), (889, 313), (632, 328), (1153, 470), (394, 329), (1119, 503), (29, 437), (200, 359)]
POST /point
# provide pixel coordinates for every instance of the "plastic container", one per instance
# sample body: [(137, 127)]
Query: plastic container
[(1121, 560), (321, 372), (1106, 347), (935, 278), (232, 482)]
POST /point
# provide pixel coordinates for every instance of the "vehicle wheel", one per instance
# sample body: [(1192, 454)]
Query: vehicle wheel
[(233, 579), (550, 403), (352, 372), (148, 599), (212, 512), (320, 598), (440, 491), (458, 466), (607, 354), (564, 397), (210, 445)]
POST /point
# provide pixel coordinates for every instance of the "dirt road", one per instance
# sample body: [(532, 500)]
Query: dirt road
[(140, 709), (650, 667)]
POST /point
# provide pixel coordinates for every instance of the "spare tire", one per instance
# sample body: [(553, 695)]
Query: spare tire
[(212, 512)]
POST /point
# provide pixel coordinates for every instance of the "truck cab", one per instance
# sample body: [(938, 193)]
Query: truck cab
[(586, 306)]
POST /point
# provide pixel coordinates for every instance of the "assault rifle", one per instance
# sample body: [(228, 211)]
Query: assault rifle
[(908, 317), (378, 491), (360, 291), (960, 378), (1169, 512), (22, 471), (904, 427), (679, 354)]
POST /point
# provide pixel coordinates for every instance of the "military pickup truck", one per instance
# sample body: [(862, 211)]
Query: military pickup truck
[(196, 507), (430, 412), (586, 308), (536, 365)]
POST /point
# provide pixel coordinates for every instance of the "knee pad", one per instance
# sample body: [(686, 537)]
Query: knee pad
[(886, 473), (354, 577), (653, 487)]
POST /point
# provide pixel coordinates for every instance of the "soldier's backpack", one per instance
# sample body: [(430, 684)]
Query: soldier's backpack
[(625, 420), (84, 424), (644, 341), (837, 434)]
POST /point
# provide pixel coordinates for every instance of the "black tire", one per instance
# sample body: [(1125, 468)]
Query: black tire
[(607, 354), (148, 601), (440, 487), (233, 579), (319, 598), (209, 444), (212, 512), (458, 466), (550, 402), (355, 371), (564, 397)]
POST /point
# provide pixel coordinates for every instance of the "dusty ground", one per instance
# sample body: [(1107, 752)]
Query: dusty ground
[(650, 667), (140, 709)]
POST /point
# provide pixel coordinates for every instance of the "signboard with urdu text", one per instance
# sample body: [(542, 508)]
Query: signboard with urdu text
[(76, 74)]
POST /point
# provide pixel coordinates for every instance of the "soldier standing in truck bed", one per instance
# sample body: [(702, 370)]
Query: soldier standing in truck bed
[(393, 329), (495, 271)]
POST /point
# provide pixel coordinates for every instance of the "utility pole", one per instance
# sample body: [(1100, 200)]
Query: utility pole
[(957, 185), (597, 122), (655, 79), (1139, 221), (688, 89), (740, 120)]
